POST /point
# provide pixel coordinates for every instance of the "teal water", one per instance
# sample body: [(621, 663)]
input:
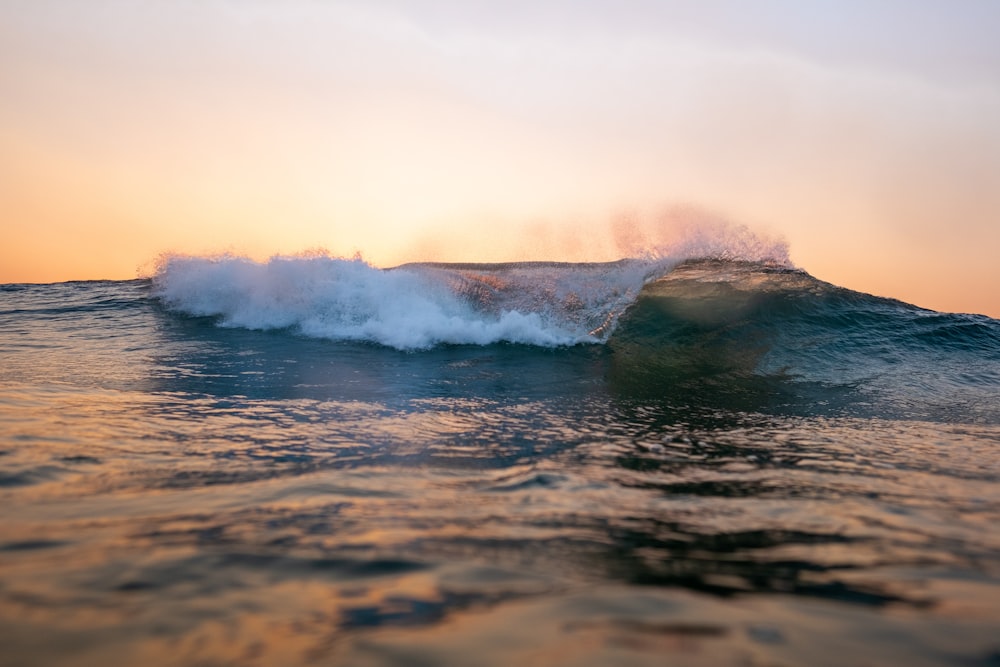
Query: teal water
[(323, 463)]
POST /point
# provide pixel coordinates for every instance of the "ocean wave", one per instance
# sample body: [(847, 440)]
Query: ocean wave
[(687, 331), (421, 305)]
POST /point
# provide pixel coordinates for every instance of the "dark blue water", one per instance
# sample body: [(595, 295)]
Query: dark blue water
[(316, 462)]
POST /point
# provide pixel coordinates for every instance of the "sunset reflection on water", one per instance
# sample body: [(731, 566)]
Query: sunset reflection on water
[(173, 492), (166, 529)]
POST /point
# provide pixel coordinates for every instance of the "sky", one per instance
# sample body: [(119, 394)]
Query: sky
[(866, 133)]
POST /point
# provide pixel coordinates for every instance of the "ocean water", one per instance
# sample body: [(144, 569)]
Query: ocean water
[(646, 462)]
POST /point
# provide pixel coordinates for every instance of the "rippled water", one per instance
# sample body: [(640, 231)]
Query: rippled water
[(173, 493)]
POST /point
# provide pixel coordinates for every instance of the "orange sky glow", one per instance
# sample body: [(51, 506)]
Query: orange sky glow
[(866, 134)]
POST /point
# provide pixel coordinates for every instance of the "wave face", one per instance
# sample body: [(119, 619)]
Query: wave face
[(775, 336)]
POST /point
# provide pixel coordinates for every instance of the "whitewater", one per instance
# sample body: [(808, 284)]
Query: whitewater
[(411, 307), (704, 456)]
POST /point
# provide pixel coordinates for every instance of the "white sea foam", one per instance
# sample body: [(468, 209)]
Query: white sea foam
[(411, 307)]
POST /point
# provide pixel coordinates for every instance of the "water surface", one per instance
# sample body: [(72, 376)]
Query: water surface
[(744, 466)]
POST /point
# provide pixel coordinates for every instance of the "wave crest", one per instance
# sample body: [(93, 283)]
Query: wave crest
[(418, 306)]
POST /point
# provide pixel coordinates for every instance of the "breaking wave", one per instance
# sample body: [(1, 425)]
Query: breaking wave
[(421, 305)]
